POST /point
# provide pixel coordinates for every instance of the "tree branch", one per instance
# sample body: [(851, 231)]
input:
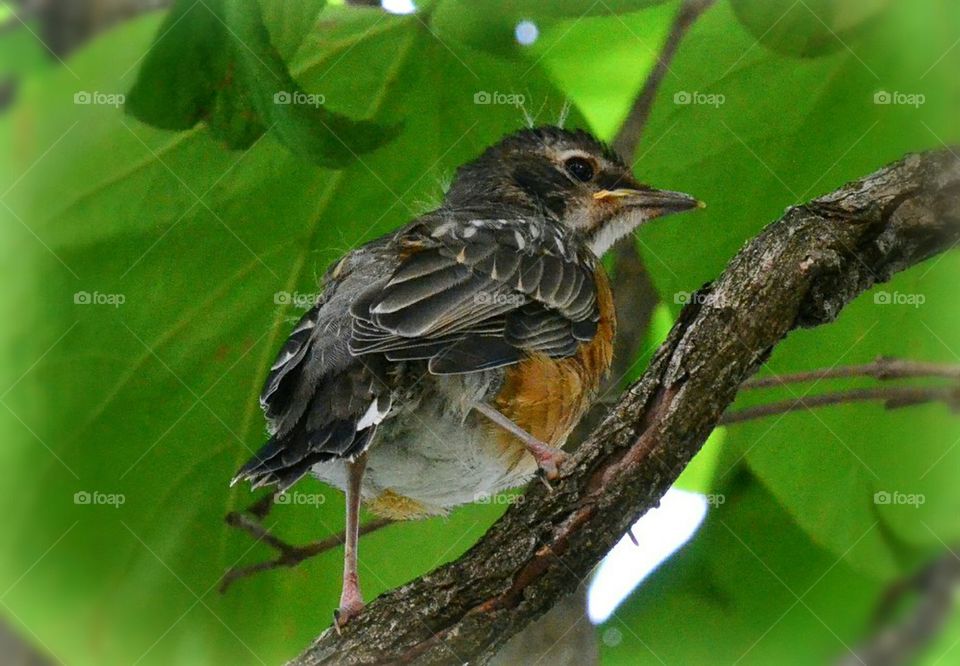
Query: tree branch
[(800, 271)]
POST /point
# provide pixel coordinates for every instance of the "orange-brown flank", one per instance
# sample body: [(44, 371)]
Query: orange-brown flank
[(546, 396)]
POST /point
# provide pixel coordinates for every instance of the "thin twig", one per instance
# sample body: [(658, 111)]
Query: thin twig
[(628, 138), (892, 397), (883, 368), (289, 555), (898, 637)]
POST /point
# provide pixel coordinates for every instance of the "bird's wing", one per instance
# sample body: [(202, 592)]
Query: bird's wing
[(473, 294), (321, 402)]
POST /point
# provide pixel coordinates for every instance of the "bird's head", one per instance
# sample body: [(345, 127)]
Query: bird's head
[(566, 175)]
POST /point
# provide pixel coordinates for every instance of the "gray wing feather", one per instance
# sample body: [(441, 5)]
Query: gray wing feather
[(321, 401), (460, 296)]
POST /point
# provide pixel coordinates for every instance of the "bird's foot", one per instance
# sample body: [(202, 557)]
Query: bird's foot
[(549, 459), (351, 603), (344, 614)]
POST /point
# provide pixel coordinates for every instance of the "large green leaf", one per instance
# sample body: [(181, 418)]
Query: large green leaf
[(808, 28), (214, 61), (156, 399), (604, 82)]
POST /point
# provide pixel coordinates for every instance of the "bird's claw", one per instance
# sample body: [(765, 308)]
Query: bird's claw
[(548, 466), (343, 615)]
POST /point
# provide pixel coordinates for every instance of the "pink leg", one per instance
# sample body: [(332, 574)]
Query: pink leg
[(351, 599), (548, 458)]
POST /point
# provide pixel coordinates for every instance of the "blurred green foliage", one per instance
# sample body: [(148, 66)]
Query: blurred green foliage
[(215, 62), (209, 247)]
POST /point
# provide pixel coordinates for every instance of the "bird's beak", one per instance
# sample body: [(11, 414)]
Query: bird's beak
[(658, 202)]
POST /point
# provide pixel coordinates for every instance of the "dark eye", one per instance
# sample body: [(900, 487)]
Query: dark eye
[(580, 168)]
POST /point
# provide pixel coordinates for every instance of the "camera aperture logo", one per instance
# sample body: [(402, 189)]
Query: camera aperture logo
[(897, 498), (96, 98), (300, 499), (897, 98), (299, 98), (898, 298), (498, 98), (97, 498), (98, 298), (696, 98)]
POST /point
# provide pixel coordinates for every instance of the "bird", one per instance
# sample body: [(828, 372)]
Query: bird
[(450, 360)]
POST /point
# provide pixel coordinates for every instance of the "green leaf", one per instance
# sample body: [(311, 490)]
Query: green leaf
[(809, 28), (604, 82), (289, 22), (20, 52), (182, 70), (214, 61)]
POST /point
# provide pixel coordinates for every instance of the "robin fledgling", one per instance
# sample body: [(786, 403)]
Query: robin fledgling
[(451, 359)]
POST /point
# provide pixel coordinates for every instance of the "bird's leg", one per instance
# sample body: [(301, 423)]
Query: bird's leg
[(549, 458), (351, 599)]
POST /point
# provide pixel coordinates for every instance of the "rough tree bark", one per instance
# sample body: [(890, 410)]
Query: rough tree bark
[(799, 272)]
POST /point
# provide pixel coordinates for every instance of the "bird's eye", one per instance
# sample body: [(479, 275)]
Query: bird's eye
[(580, 168)]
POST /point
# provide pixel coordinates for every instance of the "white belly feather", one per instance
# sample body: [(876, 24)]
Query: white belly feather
[(438, 453)]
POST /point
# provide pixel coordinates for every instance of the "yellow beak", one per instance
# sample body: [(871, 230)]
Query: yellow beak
[(664, 200)]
